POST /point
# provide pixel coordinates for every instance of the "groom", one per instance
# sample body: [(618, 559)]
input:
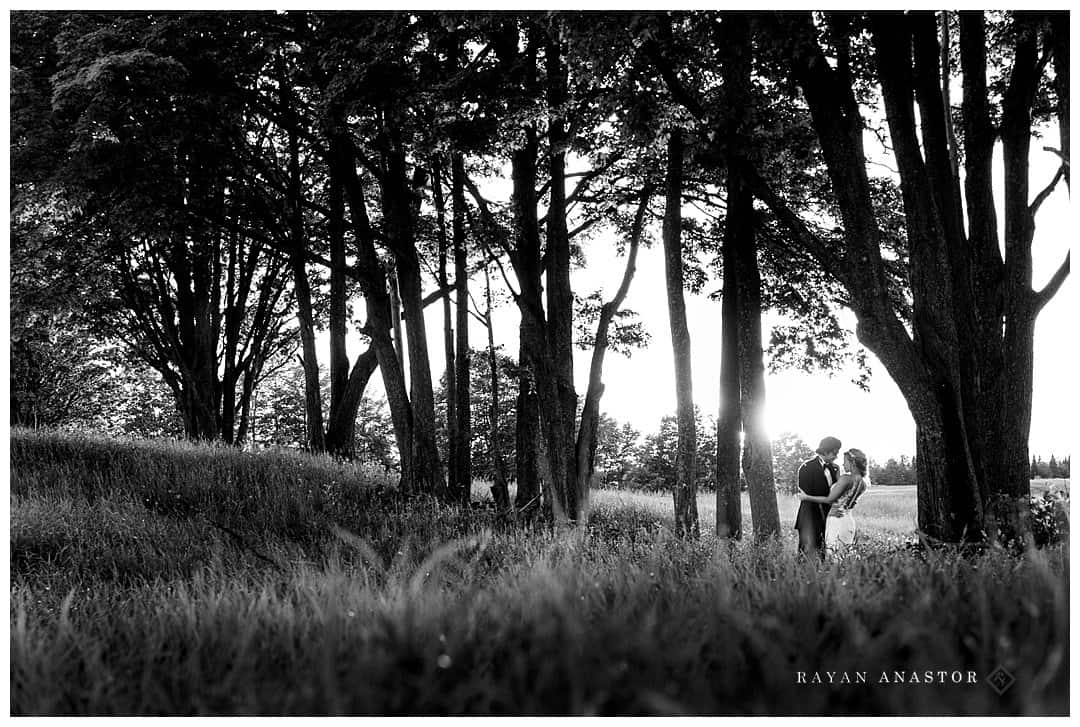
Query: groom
[(816, 477)]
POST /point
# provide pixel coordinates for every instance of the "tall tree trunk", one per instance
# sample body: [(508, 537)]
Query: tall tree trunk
[(1011, 490), (558, 399), (685, 492), (233, 317), (461, 484), (448, 332), (339, 357), (302, 290), (978, 264), (728, 483), (400, 207), (527, 441), (339, 427), (590, 412), (757, 462), (526, 262), (341, 159)]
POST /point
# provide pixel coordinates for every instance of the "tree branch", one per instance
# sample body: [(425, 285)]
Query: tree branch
[(1051, 288), (485, 212), (671, 79), (1041, 196), (497, 259), (787, 216)]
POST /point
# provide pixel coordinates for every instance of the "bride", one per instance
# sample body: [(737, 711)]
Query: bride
[(840, 525)]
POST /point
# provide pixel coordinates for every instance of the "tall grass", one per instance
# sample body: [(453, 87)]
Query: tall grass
[(163, 578)]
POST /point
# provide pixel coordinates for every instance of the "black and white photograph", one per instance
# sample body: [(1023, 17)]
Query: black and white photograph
[(539, 362)]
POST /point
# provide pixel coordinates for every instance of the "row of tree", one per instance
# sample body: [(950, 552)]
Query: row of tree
[(214, 188), (1054, 469)]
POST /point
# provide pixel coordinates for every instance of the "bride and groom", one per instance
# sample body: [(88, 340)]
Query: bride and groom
[(827, 496)]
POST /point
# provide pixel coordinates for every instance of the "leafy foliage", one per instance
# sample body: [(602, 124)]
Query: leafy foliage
[(1050, 517)]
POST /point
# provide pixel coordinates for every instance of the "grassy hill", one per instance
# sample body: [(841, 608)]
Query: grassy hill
[(168, 578)]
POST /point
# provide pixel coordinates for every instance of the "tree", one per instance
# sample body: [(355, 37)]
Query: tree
[(587, 440), (789, 452), (686, 520), (491, 446), (543, 59), (894, 472), (616, 453), (722, 117), (151, 193), (963, 360), (64, 375), (280, 419), (740, 225)]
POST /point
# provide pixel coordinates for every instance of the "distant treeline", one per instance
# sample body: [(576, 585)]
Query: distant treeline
[(1054, 469), (124, 400)]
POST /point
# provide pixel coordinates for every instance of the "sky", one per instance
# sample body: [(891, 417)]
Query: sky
[(641, 389)]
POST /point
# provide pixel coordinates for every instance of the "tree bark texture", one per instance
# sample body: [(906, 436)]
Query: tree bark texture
[(400, 206), (526, 262), (555, 377), (728, 480), (461, 482), (757, 461), (302, 287), (341, 159), (685, 485), (448, 332)]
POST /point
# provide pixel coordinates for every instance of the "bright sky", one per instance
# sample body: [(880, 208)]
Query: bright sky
[(641, 389)]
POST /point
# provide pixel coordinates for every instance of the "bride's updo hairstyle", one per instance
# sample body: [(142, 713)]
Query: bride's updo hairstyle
[(858, 459), (858, 463)]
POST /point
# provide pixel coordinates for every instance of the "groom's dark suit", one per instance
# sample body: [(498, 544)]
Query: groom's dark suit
[(811, 517)]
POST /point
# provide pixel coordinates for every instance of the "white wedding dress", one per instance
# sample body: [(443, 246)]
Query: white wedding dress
[(840, 528)]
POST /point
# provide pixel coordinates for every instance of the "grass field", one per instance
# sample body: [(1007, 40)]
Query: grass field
[(165, 578)]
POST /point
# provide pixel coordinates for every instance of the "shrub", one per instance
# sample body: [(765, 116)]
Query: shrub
[(1050, 517)]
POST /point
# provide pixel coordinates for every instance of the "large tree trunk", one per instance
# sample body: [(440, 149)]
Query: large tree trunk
[(1010, 492), (448, 332), (399, 221), (346, 387), (232, 318), (301, 287), (685, 486), (339, 357), (555, 380), (341, 159), (461, 482), (757, 462), (527, 441), (728, 482), (526, 262)]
